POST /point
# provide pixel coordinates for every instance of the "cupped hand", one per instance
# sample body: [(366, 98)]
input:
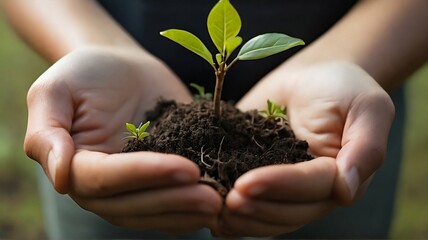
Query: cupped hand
[(345, 116), (77, 111)]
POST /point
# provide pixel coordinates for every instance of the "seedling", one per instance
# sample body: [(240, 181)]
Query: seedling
[(202, 95), (274, 111), (224, 25), (138, 133)]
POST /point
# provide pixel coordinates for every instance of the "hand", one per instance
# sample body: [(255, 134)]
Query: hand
[(345, 116), (77, 111)]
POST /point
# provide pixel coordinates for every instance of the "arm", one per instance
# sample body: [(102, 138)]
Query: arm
[(55, 28), (388, 39), (335, 93)]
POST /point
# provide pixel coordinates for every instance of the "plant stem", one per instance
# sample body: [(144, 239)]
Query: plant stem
[(219, 74), (230, 64)]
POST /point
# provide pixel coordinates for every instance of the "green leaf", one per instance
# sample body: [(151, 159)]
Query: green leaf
[(265, 112), (189, 41), (266, 45), (231, 44), (279, 115), (201, 92), (223, 23), (270, 107), (218, 58), (144, 127), (274, 111), (143, 135), (208, 96), (199, 88), (131, 127)]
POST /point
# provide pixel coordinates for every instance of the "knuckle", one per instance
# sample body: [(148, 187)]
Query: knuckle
[(32, 143), (28, 146), (35, 91)]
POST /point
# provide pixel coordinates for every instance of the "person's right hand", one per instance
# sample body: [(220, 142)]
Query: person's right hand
[(77, 112), (345, 116)]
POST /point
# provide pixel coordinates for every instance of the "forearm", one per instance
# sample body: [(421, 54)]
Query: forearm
[(55, 28), (388, 39)]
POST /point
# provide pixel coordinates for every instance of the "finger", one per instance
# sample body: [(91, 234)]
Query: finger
[(363, 144), (309, 181), (96, 174), (47, 139), (233, 225), (191, 199), (173, 223), (280, 213)]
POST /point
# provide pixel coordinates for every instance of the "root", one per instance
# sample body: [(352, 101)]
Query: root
[(202, 159), (219, 149), (258, 144), (206, 179)]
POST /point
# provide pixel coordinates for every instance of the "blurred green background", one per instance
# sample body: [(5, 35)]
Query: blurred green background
[(20, 213)]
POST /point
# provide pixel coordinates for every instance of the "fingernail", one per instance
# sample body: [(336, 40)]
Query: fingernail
[(182, 177), (352, 179), (52, 160)]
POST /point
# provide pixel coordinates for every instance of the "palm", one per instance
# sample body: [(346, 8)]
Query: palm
[(321, 103), (108, 91), (345, 116), (77, 114)]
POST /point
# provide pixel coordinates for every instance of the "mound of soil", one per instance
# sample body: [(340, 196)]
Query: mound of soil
[(224, 148)]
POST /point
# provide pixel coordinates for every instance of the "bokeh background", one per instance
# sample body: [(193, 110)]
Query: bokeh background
[(20, 213)]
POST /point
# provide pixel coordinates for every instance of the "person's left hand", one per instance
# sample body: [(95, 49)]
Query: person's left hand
[(77, 114), (345, 116)]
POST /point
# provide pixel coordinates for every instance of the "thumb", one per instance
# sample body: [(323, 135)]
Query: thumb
[(47, 139), (265, 89), (364, 144)]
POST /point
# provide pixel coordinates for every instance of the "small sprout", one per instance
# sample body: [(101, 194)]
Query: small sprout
[(202, 95), (274, 111), (138, 133)]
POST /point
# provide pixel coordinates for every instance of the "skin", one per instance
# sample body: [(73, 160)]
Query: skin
[(77, 110), (75, 131), (347, 109), (335, 91)]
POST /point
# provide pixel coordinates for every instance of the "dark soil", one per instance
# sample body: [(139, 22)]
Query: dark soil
[(224, 148)]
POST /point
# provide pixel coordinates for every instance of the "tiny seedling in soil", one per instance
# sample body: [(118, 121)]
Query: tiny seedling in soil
[(223, 141), (137, 133), (274, 111), (202, 95)]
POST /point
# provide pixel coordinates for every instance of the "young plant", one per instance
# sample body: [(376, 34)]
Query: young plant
[(274, 111), (202, 95), (138, 133), (224, 25)]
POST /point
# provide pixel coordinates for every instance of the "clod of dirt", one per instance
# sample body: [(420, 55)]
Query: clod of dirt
[(223, 148)]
